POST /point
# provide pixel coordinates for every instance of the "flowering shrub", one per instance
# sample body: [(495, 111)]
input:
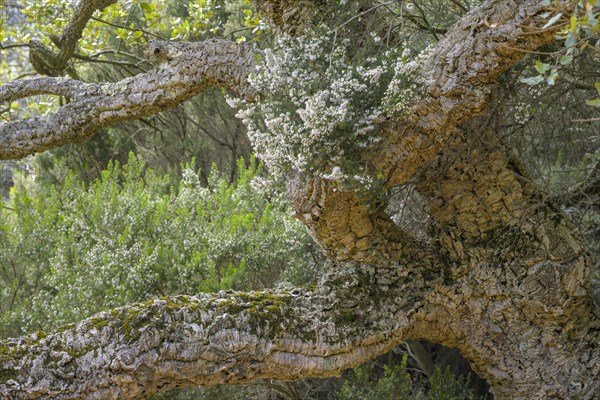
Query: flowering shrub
[(131, 235), (319, 104)]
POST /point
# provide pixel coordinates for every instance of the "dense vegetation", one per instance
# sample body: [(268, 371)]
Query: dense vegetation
[(177, 203), (74, 249)]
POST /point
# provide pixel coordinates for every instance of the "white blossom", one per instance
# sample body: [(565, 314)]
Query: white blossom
[(316, 105), (336, 175)]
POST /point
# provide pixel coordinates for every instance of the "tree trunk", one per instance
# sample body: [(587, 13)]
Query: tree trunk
[(518, 305), (502, 275)]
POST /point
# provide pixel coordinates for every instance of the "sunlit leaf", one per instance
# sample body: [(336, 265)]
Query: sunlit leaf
[(573, 23), (593, 103), (541, 67), (552, 21), (147, 7)]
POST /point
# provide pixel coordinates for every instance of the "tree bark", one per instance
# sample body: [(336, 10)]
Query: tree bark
[(503, 276), (227, 337), (519, 300), (186, 69), (46, 61)]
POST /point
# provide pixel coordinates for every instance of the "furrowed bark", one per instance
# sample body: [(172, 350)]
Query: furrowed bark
[(186, 70), (354, 227), (228, 337), (465, 67), (518, 271), (16, 90), (510, 287), (289, 16)]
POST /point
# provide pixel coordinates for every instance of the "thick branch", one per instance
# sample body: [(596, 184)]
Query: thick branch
[(16, 90), (207, 339), (291, 16), (350, 226), (466, 65), (186, 70)]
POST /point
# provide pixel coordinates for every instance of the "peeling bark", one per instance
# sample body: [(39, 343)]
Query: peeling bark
[(519, 299), (466, 64), (350, 227)]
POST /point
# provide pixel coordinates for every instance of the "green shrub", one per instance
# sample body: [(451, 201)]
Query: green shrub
[(74, 250), (397, 384)]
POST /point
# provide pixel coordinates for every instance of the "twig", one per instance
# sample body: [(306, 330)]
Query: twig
[(586, 119), (350, 20), (128, 28)]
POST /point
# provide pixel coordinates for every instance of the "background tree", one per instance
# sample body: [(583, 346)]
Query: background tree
[(495, 268)]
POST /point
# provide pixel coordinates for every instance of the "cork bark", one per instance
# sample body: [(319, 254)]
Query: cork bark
[(185, 70), (226, 337), (503, 276)]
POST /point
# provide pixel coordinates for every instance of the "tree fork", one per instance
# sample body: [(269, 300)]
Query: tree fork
[(523, 316)]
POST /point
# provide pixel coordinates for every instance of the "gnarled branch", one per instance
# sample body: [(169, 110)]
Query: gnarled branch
[(186, 70), (350, 227), (228, 337), (465, 67)]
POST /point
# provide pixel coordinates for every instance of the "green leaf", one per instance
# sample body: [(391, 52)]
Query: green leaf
[(541, 67), (552, 21), (573, 27), (566, 60), (593, 103), (147, 7), (571, 40), (534, 80)]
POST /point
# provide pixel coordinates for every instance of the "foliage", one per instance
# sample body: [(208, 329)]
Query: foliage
[(230, 392), (579, 31), (113, 46), (133, 21), (75, 249), (396, 384)]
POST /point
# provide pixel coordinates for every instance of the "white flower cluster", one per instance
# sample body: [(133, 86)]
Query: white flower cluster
[(406, 87), (317, 106)]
